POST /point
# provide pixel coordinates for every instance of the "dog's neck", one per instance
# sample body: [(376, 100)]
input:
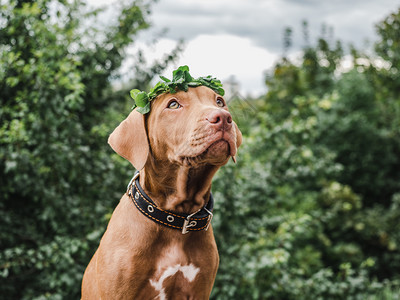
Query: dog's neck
[(176, 187)]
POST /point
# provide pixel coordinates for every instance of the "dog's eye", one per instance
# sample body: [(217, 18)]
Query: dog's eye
[(220, 102), (174, 105)]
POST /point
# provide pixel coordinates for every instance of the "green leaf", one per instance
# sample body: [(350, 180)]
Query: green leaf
[(220, 91), (194, 84), (134, 93), (183, 86), (179, 73), (158, 89), (165, 79), (180, 80), (172, 87), (141, 99), (188, 77), (144, 110)]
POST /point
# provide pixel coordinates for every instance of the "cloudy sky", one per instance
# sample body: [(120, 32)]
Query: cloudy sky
[(243, 38)]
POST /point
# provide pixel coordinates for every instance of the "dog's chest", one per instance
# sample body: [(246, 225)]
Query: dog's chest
[(174, 281), (176, 275)]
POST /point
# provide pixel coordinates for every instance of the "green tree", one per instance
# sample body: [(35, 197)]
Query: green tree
[(58, 179), (311, 212), (315, 75)]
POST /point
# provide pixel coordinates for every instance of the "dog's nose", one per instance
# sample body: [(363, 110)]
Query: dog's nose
[(220, 118)]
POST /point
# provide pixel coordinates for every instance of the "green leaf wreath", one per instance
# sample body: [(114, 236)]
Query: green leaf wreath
[(181, 81)]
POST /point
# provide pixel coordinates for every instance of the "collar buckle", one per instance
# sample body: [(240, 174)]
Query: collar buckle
[(188, 223)]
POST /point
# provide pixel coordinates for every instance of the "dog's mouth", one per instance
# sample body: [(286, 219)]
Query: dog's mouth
[(218, 147), (216, 153)]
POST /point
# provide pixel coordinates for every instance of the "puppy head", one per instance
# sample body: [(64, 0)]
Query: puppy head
[(186, 128)]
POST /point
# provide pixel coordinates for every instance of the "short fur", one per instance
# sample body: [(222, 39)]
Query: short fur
[(177, 151)]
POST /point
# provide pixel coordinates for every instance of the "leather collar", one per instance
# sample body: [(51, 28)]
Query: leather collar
[(196, 221)]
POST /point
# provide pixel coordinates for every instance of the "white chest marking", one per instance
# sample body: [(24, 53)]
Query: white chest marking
[(189, 272)]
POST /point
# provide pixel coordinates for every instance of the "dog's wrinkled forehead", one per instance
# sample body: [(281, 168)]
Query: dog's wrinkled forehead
[(198, 95)]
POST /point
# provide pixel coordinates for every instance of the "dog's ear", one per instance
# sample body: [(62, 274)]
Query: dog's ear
[(238, 140), (238, 136), (130, 141)]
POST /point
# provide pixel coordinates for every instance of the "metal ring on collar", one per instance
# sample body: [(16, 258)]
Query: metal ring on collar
[(128, 188)]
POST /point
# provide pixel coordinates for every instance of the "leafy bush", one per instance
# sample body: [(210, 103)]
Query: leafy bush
[(58, 179), (310, 210)]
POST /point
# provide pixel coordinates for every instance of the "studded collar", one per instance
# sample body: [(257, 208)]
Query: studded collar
[(199, 220)]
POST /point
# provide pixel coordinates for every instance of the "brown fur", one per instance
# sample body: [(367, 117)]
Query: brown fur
[(177, 151)]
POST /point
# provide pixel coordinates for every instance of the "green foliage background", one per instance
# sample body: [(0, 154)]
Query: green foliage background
[(310, 211)]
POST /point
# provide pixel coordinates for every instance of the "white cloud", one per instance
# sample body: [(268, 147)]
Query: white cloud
[(228, 55), (221, 56), (244, 37), (264, 21)]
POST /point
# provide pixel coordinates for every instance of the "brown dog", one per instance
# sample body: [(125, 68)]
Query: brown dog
[(178, 148)]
